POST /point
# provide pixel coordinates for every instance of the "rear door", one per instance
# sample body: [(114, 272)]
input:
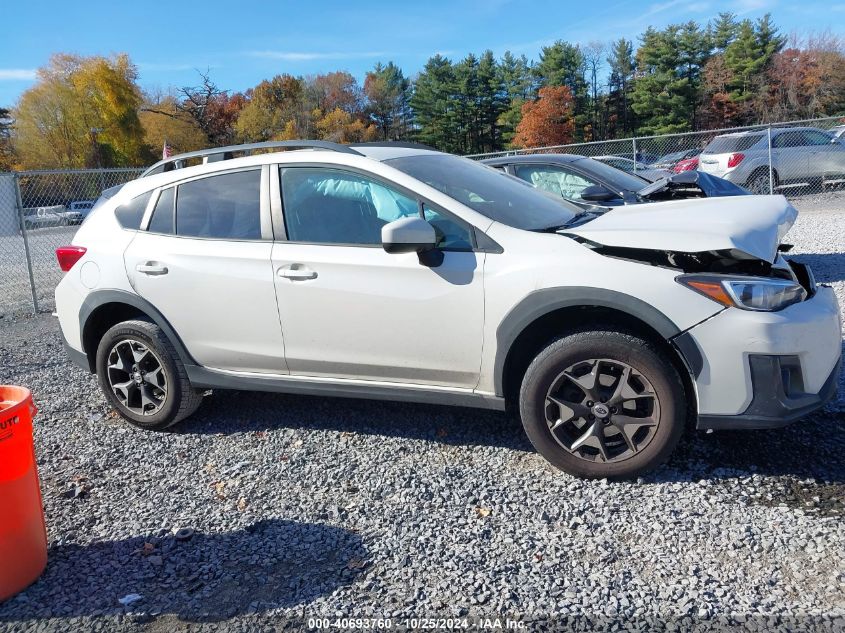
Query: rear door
[(204, 263)]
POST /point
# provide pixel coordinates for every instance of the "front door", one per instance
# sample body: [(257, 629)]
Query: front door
[(351, 310)]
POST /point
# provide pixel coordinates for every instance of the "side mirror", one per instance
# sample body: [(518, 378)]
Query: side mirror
[(408, 235), (597, 193)]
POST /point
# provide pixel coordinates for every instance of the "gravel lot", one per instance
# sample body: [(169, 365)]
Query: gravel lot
[(305, 507)]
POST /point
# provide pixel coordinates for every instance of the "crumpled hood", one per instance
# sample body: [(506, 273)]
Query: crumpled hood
[(753, 225)]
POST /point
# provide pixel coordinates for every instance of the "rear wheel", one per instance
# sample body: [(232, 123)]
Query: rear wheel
[(603, 404), (758, 183), (143, 378)]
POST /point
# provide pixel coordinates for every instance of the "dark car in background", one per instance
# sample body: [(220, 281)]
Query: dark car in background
[(585, 180)]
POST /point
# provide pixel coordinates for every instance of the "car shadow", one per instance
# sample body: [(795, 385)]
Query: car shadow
[(204, 578), (826, 267), (810, 448), (238, 411)]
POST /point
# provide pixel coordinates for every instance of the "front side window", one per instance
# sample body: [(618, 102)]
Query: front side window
[(816, 138), (225, 206), (332, 206), (558, 180), (452, 234)]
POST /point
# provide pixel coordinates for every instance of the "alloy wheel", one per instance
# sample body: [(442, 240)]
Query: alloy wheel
[(136, 377), (602, 410)]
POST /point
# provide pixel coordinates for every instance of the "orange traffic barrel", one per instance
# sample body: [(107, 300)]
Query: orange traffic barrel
[(23, 536)]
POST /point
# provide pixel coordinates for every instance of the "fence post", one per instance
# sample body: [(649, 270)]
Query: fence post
[(634, 144), (19, 205), (771, 171)]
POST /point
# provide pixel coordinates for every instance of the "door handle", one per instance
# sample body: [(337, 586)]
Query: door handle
[(152, 268), (297, 272)]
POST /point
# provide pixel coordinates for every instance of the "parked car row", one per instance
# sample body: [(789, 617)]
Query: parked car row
[(800, 157), (57, 215), (393, 271)]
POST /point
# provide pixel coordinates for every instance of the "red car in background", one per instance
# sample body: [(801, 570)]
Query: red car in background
[(688, 164)]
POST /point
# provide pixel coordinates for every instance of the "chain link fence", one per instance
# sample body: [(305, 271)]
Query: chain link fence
[(40, 211), (801, 159)]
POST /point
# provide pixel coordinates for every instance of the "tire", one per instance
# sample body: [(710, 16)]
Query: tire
[(597, 447), (142, 376), (758, 182)]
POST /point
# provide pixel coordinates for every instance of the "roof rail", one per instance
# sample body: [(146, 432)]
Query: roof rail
[(214, 154), (402, 144)]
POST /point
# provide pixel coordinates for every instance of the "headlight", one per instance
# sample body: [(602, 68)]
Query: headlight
[(747, 293)]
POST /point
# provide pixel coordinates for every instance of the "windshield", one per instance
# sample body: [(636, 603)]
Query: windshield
[(622, 180), (487, 191)]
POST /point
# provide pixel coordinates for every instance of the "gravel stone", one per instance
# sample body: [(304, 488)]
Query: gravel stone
[(264, 509)]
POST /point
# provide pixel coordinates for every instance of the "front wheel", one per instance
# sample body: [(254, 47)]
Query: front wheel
[(143, 378), (603, 404)]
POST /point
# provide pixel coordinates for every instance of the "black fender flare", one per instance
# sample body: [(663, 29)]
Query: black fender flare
[(547, 300), (98, 298)]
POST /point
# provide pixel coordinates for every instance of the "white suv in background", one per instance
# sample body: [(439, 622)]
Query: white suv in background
[(393, 271)]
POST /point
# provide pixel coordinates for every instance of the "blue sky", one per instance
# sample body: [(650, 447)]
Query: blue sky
[(242, 42)]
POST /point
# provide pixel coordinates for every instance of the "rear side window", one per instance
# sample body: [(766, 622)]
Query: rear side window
[(728, 144), (226, 206), (129, 215), (162, 220)]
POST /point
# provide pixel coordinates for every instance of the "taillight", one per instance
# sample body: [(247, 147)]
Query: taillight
[(735, 159), (69, 255)]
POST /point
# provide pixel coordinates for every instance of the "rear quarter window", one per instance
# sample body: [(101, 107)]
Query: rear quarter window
[(129, 215)]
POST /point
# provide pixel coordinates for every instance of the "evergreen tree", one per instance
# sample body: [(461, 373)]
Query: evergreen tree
[(622, 68), (434, 110)]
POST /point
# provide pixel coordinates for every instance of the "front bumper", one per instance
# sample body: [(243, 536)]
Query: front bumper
[(766, 369), (778, 398)]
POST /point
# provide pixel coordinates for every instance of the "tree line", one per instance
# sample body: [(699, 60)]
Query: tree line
[(91, 112)]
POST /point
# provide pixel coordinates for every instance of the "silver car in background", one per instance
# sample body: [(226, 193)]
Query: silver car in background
[(801, 157)]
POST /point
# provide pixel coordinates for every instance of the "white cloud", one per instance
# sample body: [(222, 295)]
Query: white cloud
[(17, 74), (296, 56)]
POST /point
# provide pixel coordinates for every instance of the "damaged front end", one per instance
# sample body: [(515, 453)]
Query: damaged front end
[(690, 184), (724, 262)]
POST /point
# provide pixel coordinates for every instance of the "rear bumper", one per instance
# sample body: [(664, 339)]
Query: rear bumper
[(778, 398)]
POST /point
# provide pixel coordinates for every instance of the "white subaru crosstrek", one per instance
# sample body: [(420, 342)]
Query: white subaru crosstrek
[(397, 272)]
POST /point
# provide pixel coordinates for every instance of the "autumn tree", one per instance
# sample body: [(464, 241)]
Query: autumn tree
[(335, 90), (563, 64), (387, 92), (213, 110), (806, 80), (162, 122), (547, 121), (81, 112), (341, 127), (271, 106)]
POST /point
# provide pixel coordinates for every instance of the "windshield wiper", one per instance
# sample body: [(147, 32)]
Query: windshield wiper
[(582, 218)]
